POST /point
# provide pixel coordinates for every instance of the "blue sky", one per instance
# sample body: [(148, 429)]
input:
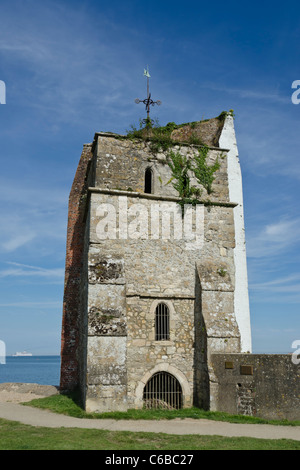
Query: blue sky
[(73, 68)]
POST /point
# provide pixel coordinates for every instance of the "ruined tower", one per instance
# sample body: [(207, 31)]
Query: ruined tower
[(155, 283)]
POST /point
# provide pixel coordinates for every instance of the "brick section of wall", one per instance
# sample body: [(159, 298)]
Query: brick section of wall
[(208, 131), (73, 268)]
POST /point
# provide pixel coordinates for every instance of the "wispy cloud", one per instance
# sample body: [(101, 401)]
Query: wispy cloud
[(33, 216), (284, 282), (250, 93), (274, 239), (76, 73), (284, 289), (38, 305), (24, 270), (18, 241)]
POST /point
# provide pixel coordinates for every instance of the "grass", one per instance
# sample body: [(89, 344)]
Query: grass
[(160, 136), (16, 436), (69, 405)]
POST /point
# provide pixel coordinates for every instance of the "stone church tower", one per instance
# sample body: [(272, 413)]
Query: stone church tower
[(153, 288)]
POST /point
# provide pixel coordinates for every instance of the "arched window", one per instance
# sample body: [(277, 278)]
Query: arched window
[(162, 322), (163, 391), (148, 181)]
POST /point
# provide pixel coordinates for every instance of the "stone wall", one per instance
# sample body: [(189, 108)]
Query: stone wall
[(144, 354), (128, 277), (120, 164), (263, 385)]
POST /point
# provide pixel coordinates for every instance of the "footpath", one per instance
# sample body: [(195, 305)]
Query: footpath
[(12, 409)]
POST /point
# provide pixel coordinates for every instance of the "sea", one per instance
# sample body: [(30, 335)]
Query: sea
[(43, 370)]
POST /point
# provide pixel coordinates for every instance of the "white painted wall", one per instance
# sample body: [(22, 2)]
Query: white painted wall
[(241, 299)]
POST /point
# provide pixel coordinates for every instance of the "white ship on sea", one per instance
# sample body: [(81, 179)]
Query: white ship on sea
[(23, 353)]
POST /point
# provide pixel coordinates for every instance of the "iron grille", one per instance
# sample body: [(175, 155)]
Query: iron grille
[(163, 391), (162, 323)]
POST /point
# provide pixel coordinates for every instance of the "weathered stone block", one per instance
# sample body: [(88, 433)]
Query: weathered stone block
[(106, 270), (107, 310), (103, 398)]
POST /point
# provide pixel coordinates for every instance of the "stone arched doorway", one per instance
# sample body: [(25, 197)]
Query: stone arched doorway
[(180, 385), (162, 391)]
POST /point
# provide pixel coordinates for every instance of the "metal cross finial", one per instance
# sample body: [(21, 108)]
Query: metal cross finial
[(148, 101)]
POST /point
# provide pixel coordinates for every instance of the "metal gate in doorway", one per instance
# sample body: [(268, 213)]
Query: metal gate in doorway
[(163, 391)]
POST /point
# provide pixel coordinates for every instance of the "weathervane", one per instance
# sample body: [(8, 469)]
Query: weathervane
[(148, 101)]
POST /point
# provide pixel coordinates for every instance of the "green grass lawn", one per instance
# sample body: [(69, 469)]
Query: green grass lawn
[(69, 405), (16, 436)]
